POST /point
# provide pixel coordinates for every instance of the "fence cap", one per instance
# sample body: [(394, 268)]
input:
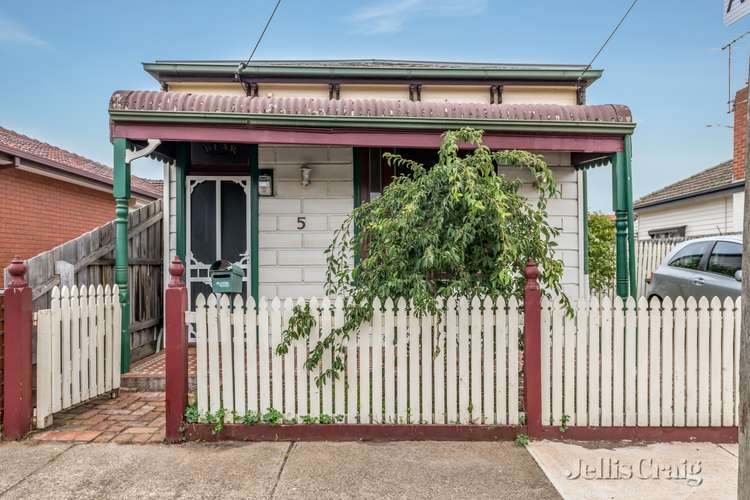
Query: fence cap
[(531, 272), (176, 270), (17, 270)]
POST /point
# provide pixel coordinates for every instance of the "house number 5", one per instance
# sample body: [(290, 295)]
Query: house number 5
[(301, 223)]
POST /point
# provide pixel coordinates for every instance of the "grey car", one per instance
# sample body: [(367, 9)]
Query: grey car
[(710, 267)]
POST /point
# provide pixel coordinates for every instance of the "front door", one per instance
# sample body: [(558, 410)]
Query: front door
[(218, 226)]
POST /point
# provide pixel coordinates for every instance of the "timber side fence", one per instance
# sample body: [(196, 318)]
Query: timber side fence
[(89, 260)]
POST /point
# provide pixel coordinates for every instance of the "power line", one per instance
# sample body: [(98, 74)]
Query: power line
[(243, 65), (622, 20)]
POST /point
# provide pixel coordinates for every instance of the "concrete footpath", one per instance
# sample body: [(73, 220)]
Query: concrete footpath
[(271, 470), (639, 471)]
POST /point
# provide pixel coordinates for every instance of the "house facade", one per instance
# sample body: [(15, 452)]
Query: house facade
[(49, 195), (265, 161), (708, 203)]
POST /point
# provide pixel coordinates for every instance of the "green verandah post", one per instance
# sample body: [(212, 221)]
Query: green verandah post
[(628, 154), (619, 196), (121, 192)]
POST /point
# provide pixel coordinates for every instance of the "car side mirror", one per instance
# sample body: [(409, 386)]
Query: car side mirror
[(738, 275)]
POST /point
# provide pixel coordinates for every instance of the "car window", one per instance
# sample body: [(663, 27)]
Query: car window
[(690, 256), (726, 258)]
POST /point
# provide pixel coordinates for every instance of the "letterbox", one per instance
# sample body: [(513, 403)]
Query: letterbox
[(225, 277)]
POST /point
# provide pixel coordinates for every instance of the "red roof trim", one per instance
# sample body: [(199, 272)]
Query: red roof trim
[(359, 137)]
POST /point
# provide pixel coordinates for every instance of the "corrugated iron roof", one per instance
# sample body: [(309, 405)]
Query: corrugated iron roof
[(16, 144), (706, 181), (134, 100)]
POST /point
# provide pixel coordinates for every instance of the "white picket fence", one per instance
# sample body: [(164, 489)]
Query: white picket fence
[(78, 348), (648, 256), (401, 368), (641, 364)]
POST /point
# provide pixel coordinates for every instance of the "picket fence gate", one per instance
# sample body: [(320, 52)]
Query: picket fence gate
[(78, 348), (615, 363), (459, 368)]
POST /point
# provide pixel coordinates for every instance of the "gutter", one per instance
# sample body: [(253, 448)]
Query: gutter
[(560, 126), (158, 70), (728, 187)]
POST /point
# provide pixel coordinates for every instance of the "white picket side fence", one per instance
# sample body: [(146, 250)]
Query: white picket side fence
[(78, 348), (393, 372), (648, 256), (640, 364)]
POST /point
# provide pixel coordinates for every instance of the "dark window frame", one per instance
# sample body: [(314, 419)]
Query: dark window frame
[(703, 260), (708, 258), (656, 234)]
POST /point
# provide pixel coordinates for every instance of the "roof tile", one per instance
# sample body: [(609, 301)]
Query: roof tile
[(136, 100), (24, 146), (713, 178)]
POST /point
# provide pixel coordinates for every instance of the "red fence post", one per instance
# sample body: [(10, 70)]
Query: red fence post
[(175, 331), (532, 350), (18, 411)]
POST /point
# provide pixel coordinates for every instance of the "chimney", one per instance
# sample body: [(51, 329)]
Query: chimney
[(740, 134)]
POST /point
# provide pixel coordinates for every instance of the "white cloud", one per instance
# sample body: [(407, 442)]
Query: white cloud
[(390, 17), (12, 32)]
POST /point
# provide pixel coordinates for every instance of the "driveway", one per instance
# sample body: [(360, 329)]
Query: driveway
[(427, 470)]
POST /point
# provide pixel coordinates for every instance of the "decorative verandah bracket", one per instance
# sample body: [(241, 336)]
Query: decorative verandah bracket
[(121, 191)]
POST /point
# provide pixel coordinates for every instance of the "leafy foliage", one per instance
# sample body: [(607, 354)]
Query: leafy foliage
[(456, 228), (601, 252)]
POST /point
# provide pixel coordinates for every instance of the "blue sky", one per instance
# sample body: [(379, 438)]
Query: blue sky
[(62, 60)]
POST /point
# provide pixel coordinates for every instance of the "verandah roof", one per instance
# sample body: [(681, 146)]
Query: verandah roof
[(178, 116), (183, 102)]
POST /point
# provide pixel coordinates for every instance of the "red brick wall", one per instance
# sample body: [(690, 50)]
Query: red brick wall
[(2, 349), (740, 134), (38, 213)]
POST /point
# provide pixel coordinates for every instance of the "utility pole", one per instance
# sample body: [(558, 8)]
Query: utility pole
[(743, 479)]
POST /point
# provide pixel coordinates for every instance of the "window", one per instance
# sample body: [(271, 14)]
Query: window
[(726, 258), (668, 232), (690, 256)]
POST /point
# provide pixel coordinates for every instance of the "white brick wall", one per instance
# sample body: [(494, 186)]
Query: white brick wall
[(292, 262), (563, 212)]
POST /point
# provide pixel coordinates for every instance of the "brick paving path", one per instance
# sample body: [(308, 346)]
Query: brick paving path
[(147, 374), (131, 417)]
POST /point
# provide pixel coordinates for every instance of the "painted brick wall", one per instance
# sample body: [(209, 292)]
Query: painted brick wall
[(740, 134), (38, 213), (563, 213), (292, 261)]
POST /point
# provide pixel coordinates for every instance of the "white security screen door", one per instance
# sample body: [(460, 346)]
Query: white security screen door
[(218, 227)]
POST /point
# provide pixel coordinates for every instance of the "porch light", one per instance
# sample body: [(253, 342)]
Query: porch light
[(305, 173), (265, 183)]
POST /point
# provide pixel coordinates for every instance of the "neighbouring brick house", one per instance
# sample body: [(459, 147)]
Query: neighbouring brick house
[(49, 195), (708, 203)]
